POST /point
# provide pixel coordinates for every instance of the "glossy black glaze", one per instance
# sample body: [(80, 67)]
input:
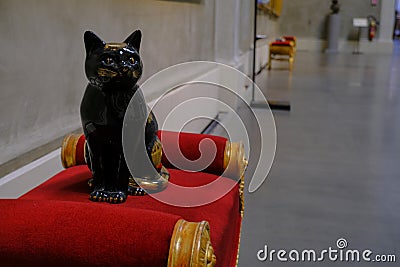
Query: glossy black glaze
[(113, 70)]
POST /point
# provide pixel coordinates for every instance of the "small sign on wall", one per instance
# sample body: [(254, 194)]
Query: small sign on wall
[(360, 22)]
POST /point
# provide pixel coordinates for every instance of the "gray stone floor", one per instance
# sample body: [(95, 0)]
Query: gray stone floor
[(336, 172)]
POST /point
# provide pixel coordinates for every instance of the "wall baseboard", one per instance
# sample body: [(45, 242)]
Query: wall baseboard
[(22, 180)]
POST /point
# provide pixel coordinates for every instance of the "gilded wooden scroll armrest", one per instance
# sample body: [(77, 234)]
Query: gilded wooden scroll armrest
[(191, 246)]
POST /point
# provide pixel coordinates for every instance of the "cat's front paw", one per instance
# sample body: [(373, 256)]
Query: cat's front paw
[(136, 191), (105, 196), (98, 196), (116, 197)]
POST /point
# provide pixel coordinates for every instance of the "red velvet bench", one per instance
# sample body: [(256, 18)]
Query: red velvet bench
[(291, 39), (282, 49), (55, 224)]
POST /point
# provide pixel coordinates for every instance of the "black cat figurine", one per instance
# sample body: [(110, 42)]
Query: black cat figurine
[(113, 70)]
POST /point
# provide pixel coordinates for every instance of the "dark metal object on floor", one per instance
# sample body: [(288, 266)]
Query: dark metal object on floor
[(279, 105)]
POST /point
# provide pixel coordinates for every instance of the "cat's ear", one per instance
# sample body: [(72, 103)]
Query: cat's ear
[(134, 39), (92, 42)]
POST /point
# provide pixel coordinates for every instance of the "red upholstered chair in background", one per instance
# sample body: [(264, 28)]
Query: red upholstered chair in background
[(56, 224), (290, 39), (282, 49)]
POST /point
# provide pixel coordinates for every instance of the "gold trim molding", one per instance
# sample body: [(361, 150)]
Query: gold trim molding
[(114, 46)]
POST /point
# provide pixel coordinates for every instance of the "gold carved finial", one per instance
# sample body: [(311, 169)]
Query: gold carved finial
[(191, 245), (235, 164), (68, 150), (234, 160)]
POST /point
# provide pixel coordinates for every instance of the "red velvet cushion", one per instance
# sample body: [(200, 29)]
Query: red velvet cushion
[(289, 38), (189, 146), (222, 215), (64, 233), (80, 150), (281, 43)]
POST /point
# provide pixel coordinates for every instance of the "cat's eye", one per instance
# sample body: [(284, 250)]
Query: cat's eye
[(133, 60), (108, 61)]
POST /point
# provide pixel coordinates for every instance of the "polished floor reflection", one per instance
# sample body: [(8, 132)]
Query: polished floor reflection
[(336, 172)]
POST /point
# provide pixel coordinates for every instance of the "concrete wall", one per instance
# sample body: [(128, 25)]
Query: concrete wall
[(41, 63), (307, 20)]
